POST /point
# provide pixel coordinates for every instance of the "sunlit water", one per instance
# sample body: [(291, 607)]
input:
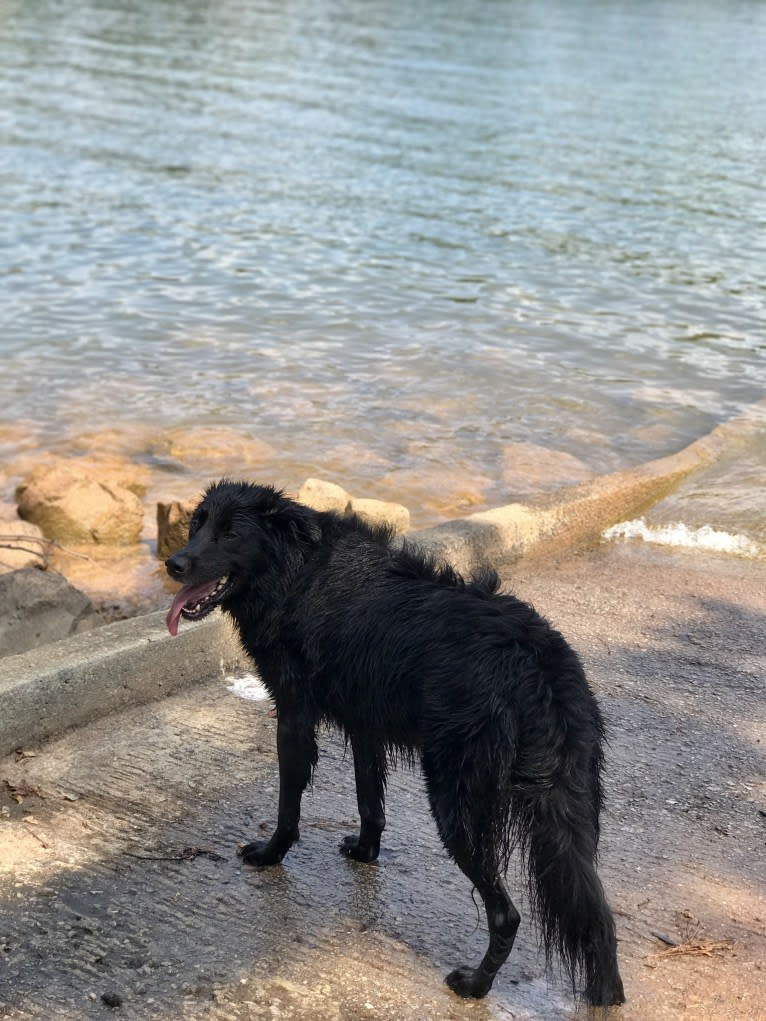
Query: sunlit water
[(391, 240)]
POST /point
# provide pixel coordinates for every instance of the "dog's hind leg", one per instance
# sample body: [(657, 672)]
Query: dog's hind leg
[(469, 840), (370, 774), (297, 751), (502, 920)]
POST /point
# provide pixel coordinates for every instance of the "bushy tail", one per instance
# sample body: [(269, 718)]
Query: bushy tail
[(554, 807), (568, 898), (554, 824)]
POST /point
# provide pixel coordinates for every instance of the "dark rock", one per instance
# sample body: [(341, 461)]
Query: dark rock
[(37, 607)]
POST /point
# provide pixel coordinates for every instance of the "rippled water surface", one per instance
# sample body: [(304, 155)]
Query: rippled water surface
[(389, 239)]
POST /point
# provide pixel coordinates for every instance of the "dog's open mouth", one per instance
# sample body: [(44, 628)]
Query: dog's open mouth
[(194, 602)]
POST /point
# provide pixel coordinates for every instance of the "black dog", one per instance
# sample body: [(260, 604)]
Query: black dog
[(405, 656)]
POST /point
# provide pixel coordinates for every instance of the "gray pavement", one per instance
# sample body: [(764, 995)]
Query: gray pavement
[(119, 877)]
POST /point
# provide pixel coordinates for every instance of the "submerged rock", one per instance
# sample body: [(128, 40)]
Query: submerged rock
[(216, 449), (529, 470)]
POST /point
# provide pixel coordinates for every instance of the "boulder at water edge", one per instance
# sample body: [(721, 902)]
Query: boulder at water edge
[(173, 520), (324, 496), (327, 496), (382, 512), (78, 503), (37, 607)]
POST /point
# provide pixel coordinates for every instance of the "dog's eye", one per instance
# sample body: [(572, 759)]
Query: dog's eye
[(197, 521), (230, 535)]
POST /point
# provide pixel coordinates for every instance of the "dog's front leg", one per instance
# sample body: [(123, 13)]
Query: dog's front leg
[(297, 751), (370, 774)]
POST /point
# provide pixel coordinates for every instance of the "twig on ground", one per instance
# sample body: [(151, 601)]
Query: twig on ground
[(188, 854), (19, 791), (697, 948), (36, 835)]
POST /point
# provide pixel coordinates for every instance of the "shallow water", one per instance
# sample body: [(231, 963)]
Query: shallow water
[(392, 241)]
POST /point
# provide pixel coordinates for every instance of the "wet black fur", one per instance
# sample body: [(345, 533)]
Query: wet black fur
[(406, 657)]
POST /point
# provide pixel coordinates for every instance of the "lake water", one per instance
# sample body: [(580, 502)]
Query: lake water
[(393, 241)]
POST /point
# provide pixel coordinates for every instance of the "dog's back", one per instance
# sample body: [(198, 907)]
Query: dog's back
[(390, 635)]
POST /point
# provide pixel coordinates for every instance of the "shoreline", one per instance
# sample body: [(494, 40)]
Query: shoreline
[(570, 513)]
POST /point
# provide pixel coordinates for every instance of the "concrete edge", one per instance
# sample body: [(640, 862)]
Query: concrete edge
[(574, 515), (580, 513), (49, 690)]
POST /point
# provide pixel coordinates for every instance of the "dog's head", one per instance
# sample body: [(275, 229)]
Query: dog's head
[(237, 533)]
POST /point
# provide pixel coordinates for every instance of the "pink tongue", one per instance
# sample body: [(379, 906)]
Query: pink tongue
[(188, 594)]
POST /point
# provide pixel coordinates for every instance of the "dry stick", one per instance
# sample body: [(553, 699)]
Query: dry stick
[(37, 836), (188, 854), (705, 948), (11, 542)]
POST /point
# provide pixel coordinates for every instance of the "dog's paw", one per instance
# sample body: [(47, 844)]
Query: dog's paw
[(260, 852), (353, 847), (468, 982)]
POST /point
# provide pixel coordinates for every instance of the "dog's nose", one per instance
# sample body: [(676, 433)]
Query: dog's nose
[(177, 566)]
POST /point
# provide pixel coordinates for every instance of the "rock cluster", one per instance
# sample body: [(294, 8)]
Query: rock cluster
[(326, 496), (88, 515), (173, 517)]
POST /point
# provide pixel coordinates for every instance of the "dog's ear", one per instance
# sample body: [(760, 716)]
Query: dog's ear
[(299, 523)]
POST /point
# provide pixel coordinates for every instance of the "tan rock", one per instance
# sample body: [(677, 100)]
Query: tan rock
[(381, 512), (323, 496), (22, 544), (72, 502), (110, 467), (173, 525)]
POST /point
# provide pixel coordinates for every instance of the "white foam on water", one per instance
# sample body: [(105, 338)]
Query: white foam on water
[(247, 686), (679, 534)]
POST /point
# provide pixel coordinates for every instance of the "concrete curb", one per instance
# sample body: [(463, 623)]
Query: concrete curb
[(46, 691), (51, 689), (574, 515), (580, 513)]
